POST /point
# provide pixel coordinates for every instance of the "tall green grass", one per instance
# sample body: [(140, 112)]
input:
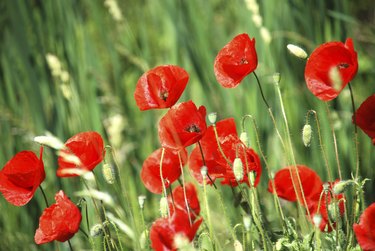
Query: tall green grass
[(105, 57)]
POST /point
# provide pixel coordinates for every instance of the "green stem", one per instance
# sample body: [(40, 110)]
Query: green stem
[(44, 195)]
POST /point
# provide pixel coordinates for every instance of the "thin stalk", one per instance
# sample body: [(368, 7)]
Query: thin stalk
[(210, 229), (226, 214), (184, 188), (70, 246), (44, 195), (162, 179), (204, 163), (334, 140), (356, 142)]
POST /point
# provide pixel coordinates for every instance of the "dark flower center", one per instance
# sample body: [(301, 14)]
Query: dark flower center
[(164, 95), (343, 65), (244, 61), (193, 128)]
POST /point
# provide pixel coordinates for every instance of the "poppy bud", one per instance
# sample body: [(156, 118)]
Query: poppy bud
[(297, 51), (212, 117), (317, 219), (237, 245), (141, 201), (247, 222), (204, 171), (238, 169), (333, 211), (181, 241), (306, 135), (245, 139), (163, 207), (108, 173), (341, 186), (96, 230)]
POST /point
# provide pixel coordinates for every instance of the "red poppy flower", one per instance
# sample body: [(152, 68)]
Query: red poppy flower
[(21, 176), (364, 231), (365, 117), (328, 56), (58, 222), (150, 173), (177, 200), (165, 231), (311, 183), (217, 165), (235, 61), (88, 147), (184, 124), (160, 87)]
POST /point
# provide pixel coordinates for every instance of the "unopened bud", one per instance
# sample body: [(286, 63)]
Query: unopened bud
[(163, 207), (108, 173), (317, 219), (306, 135), (96, 230), (247, 222), (141, 201), (341, 186), (212, 117), (204, 172), (180, 241), (238, 169), (333, 211), (237, 246), (297, 51), (245, 139)]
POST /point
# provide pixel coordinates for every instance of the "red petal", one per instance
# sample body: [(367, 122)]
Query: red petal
[(20, 177), (88, 147), (235, 61), (321, 61), (160, 87), (150, 173), (310, 181), (365, 116), (58, 222), (364, 231), (177, 200), (183, 125)]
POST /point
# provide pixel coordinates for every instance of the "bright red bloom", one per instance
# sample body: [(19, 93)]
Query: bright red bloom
[(177, 200), (58, 222), (150, 173), (235, 61), (311, 183), (164, 231), (312, 188), (365, 117), (160, 87), (21, 176), (330, 55), (88, 147), (364, 231), (217, 165), (184, 124)]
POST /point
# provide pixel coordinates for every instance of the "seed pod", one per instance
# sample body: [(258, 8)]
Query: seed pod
[(247, 222), (212, 117), (245, 139), (141, 201), (341, 186), (238, 169), (306, 135), (317, 219), (237, 245)]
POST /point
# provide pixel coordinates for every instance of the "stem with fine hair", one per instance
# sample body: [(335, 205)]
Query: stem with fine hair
[(184, 188)]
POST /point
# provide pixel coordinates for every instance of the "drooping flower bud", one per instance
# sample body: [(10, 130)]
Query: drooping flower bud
[(108, 173), (245, 139), (297, 51), (247, 222), (141, 201), (276, 77), (306, 135), (341, 186), (96, 230), (317, 219), (212, 117), (163, 207), (238, 169)]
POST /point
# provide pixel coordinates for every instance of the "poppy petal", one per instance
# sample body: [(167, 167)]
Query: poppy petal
[(364, 230), (365, 117)]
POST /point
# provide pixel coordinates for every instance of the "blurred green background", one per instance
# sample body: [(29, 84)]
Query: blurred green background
[(105, 46)]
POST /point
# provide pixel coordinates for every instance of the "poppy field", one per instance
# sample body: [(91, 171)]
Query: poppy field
[(187, 125)]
